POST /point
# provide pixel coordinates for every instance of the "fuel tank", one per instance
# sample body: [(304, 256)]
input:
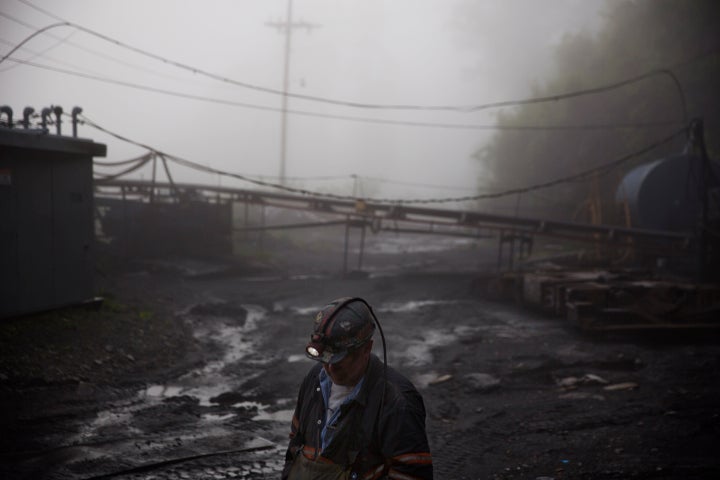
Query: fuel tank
[(666, 194)]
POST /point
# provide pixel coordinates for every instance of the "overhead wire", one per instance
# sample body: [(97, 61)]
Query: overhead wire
[(59, 42), (456, 126), (665, 71), (357, 104), (85, 48), (139, 163), (470, 108), (601, 169), (467, 108), (27, 39), (122, 162)]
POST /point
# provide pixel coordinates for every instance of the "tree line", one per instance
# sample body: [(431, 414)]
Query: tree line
[(678, 39)]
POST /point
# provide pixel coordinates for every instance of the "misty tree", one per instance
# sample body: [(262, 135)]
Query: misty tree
[(638, 37)]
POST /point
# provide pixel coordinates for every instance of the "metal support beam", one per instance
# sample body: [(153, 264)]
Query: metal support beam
[(663, 242)]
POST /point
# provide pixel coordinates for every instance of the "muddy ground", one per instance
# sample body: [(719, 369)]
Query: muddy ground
[(189, 369)]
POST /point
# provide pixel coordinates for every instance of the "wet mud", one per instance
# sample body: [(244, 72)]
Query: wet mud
[(510, 394)]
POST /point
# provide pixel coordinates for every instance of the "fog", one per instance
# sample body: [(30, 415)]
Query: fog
[(400, 52)]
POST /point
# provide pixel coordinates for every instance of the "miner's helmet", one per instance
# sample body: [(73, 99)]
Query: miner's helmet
[(340, 327)]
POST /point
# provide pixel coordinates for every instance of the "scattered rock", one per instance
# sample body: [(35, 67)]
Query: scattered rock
[(228, 398), (592, 378), (440, 379), (621, 386), (567, 382), (587, 379), (581, 396), (481, 382)]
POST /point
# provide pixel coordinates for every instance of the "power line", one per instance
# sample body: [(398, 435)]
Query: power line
[(468, 108), (59, 42), (136, 164), (27, 39), (88, 50), (271, 178), (450, 126), (601, 169)]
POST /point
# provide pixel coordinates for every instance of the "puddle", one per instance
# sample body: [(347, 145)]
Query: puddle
[(284, 416), (399, 307), (237, 342), (120, 417), (418, 352), (163, 391), (413, 305), (214, 417), (297, 358), (306, 311)]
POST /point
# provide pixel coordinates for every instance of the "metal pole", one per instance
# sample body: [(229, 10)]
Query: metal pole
[(511, 261), (152, 187), (262, 232), (287, 27), (362, 246), (500, 251), (283, 130), (347, 240), (246, 219)]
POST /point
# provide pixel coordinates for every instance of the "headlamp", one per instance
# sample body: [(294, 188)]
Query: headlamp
[(317, 350)]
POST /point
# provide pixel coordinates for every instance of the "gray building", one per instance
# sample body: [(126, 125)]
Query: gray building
[(46, 220)]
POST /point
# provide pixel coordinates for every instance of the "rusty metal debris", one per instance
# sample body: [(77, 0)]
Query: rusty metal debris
[(605, 300)]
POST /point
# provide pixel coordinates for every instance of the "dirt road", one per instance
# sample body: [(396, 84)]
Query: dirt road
[(189, 370)]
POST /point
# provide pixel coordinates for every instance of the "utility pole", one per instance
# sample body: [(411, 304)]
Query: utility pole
[(286, 27)]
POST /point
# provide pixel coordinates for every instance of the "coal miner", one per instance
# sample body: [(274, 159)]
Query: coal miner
[(355, 418)]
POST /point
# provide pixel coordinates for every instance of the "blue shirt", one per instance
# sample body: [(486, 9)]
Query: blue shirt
[(325, 385)]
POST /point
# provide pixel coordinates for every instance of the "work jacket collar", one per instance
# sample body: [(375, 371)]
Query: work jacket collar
[(373, 375)]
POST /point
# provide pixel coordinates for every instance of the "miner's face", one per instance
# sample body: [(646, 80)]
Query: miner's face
[(348, 371)]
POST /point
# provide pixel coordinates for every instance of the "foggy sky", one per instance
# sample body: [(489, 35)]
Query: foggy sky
[(415, 52)]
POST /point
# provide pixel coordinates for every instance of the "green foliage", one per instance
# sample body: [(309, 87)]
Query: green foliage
[(638, 37)]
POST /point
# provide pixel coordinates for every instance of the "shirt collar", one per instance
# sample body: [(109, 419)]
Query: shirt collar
[(326, 384)]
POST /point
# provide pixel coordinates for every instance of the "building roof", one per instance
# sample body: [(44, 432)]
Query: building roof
[(34, 139)]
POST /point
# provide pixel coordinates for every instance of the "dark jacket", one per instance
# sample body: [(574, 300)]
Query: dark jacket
[(374, 442)]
